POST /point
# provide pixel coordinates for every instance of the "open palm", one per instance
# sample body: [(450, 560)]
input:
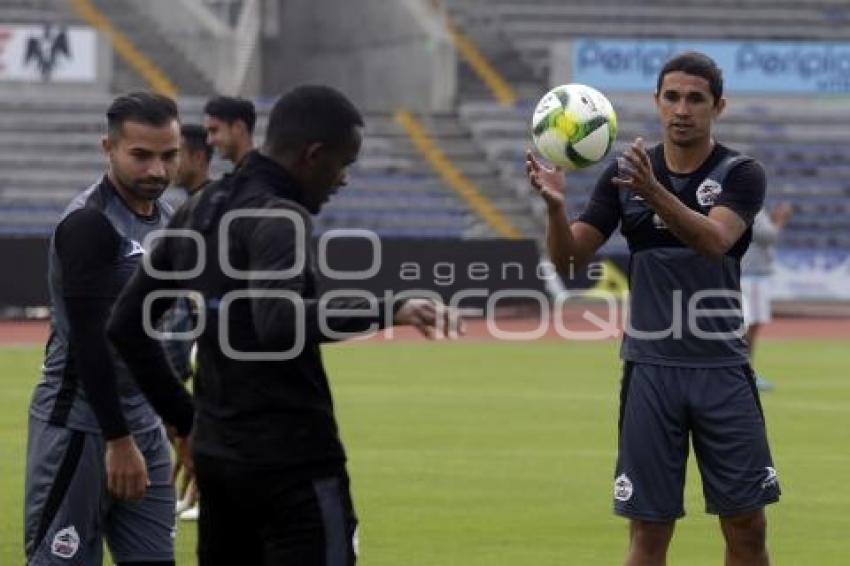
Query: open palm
[(548, 181)]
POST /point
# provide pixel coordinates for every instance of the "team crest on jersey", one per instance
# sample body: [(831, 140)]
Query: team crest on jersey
[(135, 249), (623, 488), (708, 192), (66, 543), (771, 478)]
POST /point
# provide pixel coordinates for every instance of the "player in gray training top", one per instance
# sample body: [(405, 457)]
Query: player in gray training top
[(98, 462), (757, 267), (686, 207)]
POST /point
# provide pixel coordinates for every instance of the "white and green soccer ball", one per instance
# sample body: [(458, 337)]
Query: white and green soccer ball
[(574, 126)]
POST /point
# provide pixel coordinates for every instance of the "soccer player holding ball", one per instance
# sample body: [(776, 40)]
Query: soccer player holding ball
[(686, 208)]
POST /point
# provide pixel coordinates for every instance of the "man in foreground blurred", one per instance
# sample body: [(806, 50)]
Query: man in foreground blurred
[(270, 465)]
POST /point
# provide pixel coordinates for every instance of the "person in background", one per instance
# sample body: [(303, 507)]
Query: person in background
[(230, 127), (193, 174), (757, 266)]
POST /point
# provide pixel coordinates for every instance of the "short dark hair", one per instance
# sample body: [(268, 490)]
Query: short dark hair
[(310, 114), (148, 108), (231, 109), (699, 65), (195, 137)]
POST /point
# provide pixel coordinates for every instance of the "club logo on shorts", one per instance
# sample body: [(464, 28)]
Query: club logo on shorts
[(66, 543), (708, 192), (771, 478), (623, 488)]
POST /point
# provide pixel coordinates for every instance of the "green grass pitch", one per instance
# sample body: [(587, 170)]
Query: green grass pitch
[(502, 454)]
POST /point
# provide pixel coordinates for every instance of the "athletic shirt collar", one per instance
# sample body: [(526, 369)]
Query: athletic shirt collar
[(110, 189), (275, 175), (668, 178)]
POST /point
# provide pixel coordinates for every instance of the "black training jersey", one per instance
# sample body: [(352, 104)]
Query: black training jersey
[(94, 250), (684, 308), (261, 392)]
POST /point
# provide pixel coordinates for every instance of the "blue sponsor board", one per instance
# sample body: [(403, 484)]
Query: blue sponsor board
[(773, 67), (819, 275)]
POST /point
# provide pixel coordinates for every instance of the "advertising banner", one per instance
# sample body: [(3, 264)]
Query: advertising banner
[(48, 53), (812, 275), (749, 67)]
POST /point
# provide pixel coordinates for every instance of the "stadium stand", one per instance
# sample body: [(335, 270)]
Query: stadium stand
[(36, 12), (145, 35), (799, 140), (530, 27), (48, 144), (48, 147), (49, 151), (226, 10)]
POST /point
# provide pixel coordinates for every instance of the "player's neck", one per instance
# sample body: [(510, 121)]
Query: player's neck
[(244, 150), (687, 159), (198, 183), (142, 207)]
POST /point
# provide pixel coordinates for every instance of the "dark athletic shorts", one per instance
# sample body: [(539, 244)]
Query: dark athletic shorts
[(267, 516), (663, 408), (69, 512)]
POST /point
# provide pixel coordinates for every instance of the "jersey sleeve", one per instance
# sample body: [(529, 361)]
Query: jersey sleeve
[(87, 245), (744, 190), (273, 245), (603, 209)]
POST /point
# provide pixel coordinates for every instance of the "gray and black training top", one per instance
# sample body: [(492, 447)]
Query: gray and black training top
[(94, 250), (671, 285)]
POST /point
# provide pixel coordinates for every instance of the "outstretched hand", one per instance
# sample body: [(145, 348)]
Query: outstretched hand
[(634, 170), (781, 214), (549, 182), (434, 320)]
